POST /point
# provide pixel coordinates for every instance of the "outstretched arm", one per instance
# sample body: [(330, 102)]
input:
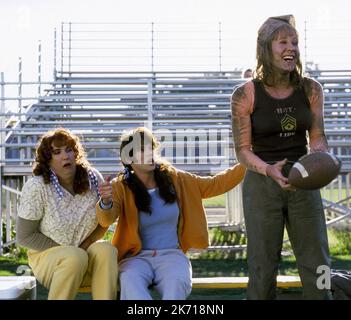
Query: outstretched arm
[(222, 182)]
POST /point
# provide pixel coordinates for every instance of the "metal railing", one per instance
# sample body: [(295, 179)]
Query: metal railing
[(144, 46), (187, 46)]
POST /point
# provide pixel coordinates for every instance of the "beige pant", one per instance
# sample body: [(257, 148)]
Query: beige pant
[(64, 269)]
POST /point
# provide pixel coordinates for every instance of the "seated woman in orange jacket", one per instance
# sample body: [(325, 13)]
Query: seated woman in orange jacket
[(160, 216)]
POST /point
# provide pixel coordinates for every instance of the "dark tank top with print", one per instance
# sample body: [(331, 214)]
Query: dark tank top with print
[(279, 126)]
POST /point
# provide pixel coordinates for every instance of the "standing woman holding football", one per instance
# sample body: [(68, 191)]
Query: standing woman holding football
[(272, 116)]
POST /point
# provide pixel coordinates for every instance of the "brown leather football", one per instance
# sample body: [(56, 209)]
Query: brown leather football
[(314, 170)]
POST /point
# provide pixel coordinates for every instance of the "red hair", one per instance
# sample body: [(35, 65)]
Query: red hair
[(43, 154)]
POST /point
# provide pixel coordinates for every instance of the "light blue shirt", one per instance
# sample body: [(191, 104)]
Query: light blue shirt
[(159, 230)]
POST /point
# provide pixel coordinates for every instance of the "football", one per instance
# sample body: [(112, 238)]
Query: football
[(314, 170)]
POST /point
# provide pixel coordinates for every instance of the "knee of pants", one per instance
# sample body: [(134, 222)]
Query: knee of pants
[(133, 279), (129, 276), (75, 259), (103, 250), (180, 283), (175, 288)]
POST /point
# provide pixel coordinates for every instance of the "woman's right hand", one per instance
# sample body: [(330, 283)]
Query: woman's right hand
[(275, 172), (105, 190)]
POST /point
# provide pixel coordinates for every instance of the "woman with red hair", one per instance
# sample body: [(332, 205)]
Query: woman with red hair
[(57, 221)]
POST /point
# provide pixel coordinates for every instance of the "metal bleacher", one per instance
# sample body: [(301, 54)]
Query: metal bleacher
[(190, 113), (100, 106)]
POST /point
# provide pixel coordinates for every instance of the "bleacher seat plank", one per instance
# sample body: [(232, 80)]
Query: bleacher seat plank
[(283, 282), (241, 282)]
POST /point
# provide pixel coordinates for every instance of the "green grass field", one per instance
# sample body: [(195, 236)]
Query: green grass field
[(218, 201)]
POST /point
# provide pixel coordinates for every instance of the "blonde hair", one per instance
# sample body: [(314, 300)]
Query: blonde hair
[(264, 69)]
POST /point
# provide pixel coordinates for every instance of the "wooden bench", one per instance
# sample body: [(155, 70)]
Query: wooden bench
[(283, 282)]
